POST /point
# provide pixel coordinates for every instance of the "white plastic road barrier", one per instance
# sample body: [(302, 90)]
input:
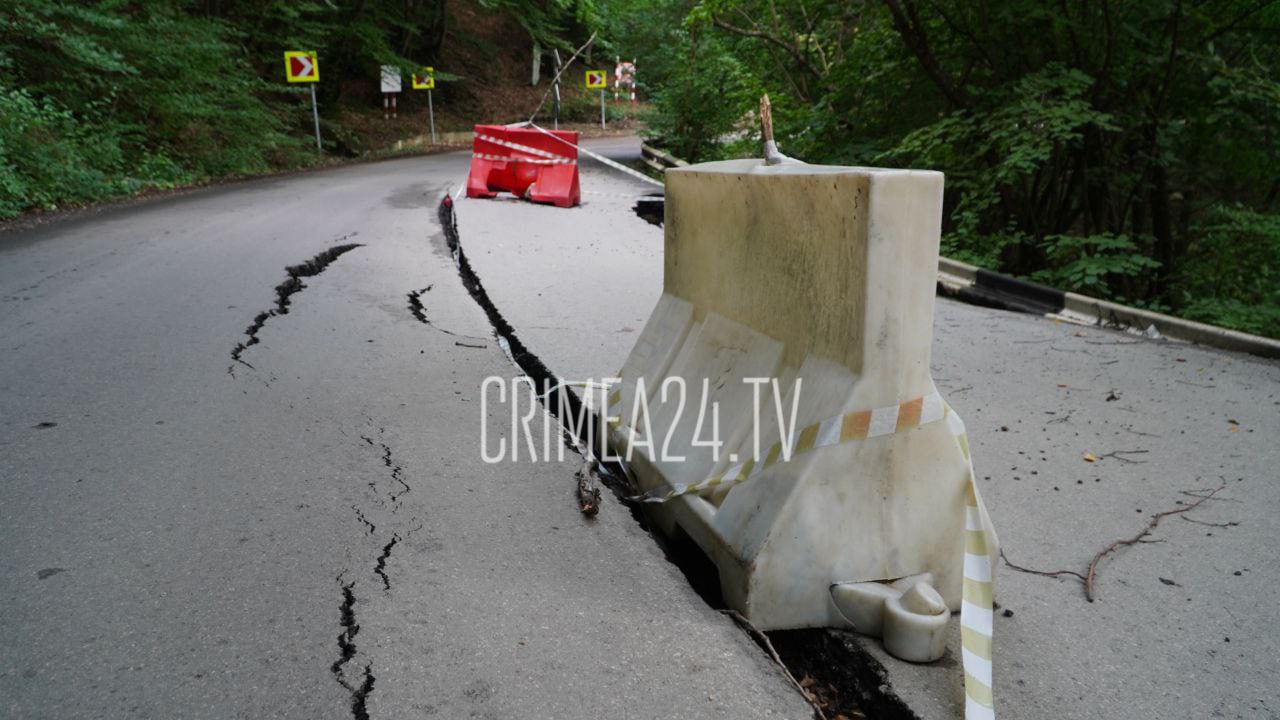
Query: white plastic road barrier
[(822, 279)]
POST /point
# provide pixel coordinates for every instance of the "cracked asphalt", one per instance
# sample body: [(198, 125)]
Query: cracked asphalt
[(240, 477), (1184, 626), (214, 508)]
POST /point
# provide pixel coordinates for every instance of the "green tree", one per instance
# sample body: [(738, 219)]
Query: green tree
[(1110, 147), (110, 98)]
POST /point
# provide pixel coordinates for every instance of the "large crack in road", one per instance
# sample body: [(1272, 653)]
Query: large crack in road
[(389, 502), (284, 294), (563, 404), (347, 651), (852, 682)]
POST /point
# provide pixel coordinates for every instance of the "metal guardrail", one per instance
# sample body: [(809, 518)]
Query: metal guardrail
[(963, 280), (659, 160), (960, 278)]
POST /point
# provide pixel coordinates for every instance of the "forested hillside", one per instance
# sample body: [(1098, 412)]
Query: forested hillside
[(1129, 150), (1125, 150), (102, 99)]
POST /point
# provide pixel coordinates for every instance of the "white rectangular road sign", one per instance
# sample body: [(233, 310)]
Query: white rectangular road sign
[(390, 79)]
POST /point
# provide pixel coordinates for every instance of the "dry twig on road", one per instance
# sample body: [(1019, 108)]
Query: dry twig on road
[(1042, 573), (1119, 455), (1091, 574), (1140, 537), (1233, 523), (763, 639)]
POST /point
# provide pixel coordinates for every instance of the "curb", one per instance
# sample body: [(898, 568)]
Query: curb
[(984, 287)]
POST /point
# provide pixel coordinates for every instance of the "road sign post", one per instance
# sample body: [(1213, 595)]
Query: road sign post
[(391, 87), (555, 104), (595, 80), (315, 117), (431, 114), (302, 66), (426, 80)]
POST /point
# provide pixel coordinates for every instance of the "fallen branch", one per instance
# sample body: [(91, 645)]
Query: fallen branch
[(773, 653), (1233, 523), (1119, 453), (1042, 573), (1139, 432), (1139, 538), (560, 72), (1200, 493)]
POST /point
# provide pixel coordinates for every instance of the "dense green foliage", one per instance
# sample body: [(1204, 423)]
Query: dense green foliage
[(102, 98), (98, 100), (1127, 150)]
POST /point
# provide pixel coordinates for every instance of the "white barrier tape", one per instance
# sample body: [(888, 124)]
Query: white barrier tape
[(976, 598), (600, 158), (859, 425), (522, 148), (530, 161), (977, 602), (622, 196)]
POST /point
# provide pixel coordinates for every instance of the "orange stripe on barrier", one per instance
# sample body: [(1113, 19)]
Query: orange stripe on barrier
[(909, 414), (855, 426)]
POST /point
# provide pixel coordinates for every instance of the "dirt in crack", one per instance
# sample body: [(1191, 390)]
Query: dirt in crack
[(416, 307), (347, 651), (370, 528), (361, 685), (381, 567), (419, 312), (397, 473), (284, 293)]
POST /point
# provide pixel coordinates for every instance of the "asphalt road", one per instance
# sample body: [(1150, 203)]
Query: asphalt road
[(307, 529), (1184, 624), (313, 533)]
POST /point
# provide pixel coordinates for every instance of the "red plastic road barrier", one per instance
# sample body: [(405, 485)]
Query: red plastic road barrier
[(525, 162)]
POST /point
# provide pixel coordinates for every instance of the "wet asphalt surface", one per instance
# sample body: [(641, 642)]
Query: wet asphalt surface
[(240, 478), (1079, 434)]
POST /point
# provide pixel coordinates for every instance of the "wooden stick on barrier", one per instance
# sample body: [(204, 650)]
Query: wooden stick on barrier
[(766, 118), (771, 154)]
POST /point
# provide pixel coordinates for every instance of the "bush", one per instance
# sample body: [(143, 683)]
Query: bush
[(48, 157), (1231, 274), (105, 101)]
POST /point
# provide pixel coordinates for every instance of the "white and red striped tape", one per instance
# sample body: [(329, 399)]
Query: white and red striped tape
[(536, 152)]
